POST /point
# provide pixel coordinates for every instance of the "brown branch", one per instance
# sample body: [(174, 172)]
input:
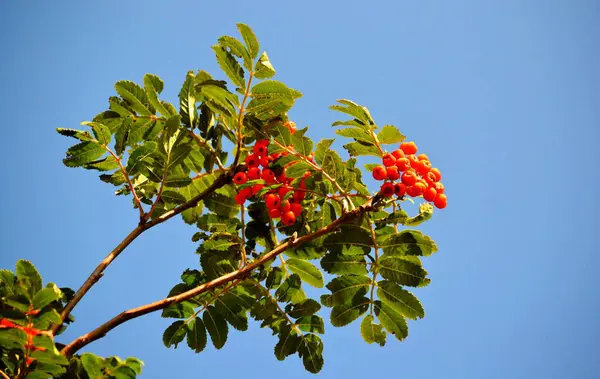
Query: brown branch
[(102, 330), (3, 375), (99, 271)]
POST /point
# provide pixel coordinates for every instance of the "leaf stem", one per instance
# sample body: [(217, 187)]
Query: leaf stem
[(243, 250), (276, 303), (129, 183), (202, 142), (215, 297), (374, 266), (241, 120)]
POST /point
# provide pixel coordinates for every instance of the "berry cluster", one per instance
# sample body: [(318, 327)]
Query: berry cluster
[(417, 177), (283, 201)]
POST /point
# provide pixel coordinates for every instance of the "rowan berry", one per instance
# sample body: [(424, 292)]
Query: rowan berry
[(440, 201), (253, 173), (414, 161), (430, 178), (437, 173), (257, 188), (246, 192), (285, 206), (274, 213), (403, 164), (379, 173), (263, 161), (281, 178), (408, 147), (288, 218), (387, 189), (424, 167), (240, 178), (392, 173), (423, 157), (409, 178), (272, 201), (299, 196), (252, 160), (389, 160), (399, 189), (260, 150), (398, 154), (439, 187), (239, 198), (430, 194), (297, 209), (412, 191), (268, 176), (421, 187), (283, 190)]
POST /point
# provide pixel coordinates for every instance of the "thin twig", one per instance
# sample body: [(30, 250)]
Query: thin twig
[(243, 251), (241, 120), (243, 272), (129, 183), (3, 375)]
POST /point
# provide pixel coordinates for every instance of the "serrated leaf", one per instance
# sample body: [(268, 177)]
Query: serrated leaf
[(12, 338), (135, 364), (271, 98), (397, 217), (27, 272), (217, 96), (408, 242), (222, 205), (216, 326), (305, 252), (77, 134), (93, 365), (174, 334), (82, 153), (307, 272), (288, 289), (187, 101), (101, 132), (401, 271), (302, 144), (196, 335), (357, 149), (356, 133), (400, 299), (322, 149), (134, 95), (250, 39), (46, 296), (264, 69), (274, 278), (306, 307), (372, 332), (344, 314), (288, 343), (232, 311), (105, 164), (298, 169), (230, 66), (344, 289), (311, 324), (333, 165), (350, 240), (236, 48), (311, 352), (335, 263), (390, 134), (354, 110), (153, 85), (172, 197), (391, 320), (46, 319)]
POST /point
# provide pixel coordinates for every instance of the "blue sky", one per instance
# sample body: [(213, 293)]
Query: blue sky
[(499, 94)]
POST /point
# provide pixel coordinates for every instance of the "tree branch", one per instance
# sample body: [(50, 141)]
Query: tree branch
[(3, 375), (99, 271), (102, 330)]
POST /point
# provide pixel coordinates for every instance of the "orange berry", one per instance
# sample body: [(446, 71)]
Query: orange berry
[(430, 194), (379, 173), (412, 191), (274, 213), (263, 161), (240, 178), (423, 157), (389, 160), (414, 161), (399, 189), (424, 167), (272, 201), (297, 209), (393, 173), (430, 178), (387, 189), (408, 147), (288, 218), (437, 173), (409, 178), (262, 142), (403, 164), (421, 187), (440, 201), (398, 154), (439, 187)]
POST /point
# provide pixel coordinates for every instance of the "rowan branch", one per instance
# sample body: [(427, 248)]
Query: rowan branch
[(99, 271), (3, 375), (243, 272)]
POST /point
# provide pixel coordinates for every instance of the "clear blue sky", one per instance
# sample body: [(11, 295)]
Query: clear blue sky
[(502, 95)]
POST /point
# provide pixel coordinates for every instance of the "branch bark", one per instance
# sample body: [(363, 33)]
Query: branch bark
[(142, 227), (103, 329)]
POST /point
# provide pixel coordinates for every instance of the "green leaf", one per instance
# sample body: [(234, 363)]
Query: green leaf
[(332, 164), (233, 312), (236, 48), (344, 314), (425, 214), (288, 343), (305, 252), (249, 39), (172, 197), (105, 164), (82, 153), (306, 307), (174, 334), (350, 240), (311, 352), (335, 263), (230, 66), (372, 332), (271, 98), (408, 242), (400, 299), (322, 149), (153, 85), (93, 365), (311, 324), (354, 110), (45, 296), (264, 69), (402, 271), (390, 134), (397, 217), (77, 134), (391, 320), (12, 338), (298, 169), (356, 149), (140, 154), (307, 272), (27, 272), (344, 289), (302, 144), (356, 133), (187, 101), (101, 132), (134, 364), (216, 326), (274, 278), (289, 288), (122, 135), (196, 335), (134, 95), (223, 99), (222, 205)]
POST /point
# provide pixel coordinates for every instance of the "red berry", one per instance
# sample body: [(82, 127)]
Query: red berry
[(414, 161), (412, 191), (299, 196), (268, 176), (272, 201), (253, 173), (240, 178), (379, 173), (260, 150), (274, 213), (403, 164), (398, 154), (430, 194), (439, 187), (409, 178), (424, 167), (393, 173), (283, 190), (437, 173), (285, 206), (408, 147), (263, 161), (440, 201), (246, 192), (399, 189), (281, 178), (262, 142), (421, 187), (288, 218), (387, 189), (389, 160), (257, 188), (252, 160), (297, 209), (430, 178), (423, 157), (239, 198)]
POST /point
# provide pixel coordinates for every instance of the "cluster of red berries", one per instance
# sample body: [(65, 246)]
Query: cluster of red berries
[(278, 202), (417, 177)]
